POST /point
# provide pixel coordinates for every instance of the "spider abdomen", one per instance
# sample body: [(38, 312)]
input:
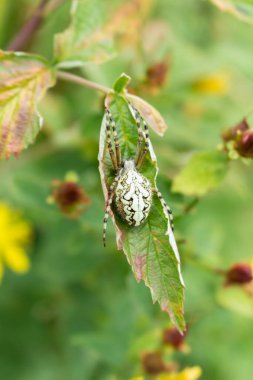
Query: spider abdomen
[(133, 197)]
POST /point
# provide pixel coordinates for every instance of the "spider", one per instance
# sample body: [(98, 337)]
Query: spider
[(130, 190)]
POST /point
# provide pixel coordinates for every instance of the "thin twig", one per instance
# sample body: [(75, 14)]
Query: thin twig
[(190, 206), (82, 82), (29, 29)]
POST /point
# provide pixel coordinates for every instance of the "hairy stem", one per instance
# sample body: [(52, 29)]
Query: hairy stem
[(28, 30), (82, 82)]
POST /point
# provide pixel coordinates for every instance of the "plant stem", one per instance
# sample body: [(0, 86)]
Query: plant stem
[(28, 30), (82, 82)]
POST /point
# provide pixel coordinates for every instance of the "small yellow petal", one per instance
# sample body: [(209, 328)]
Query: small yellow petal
[(17, 259), (217, 84), (15, 234), (189, 373), (137, 378)]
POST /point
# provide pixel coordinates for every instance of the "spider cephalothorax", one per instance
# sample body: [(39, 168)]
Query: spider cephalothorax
[(130, 190)]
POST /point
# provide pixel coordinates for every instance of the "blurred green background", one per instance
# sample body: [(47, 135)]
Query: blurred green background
[(79, 313)]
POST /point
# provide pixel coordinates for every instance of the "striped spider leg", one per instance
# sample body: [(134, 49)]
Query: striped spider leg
[(143, 137), (166, 209), (141, 154), (116, 162), (108, 206), (110, 123)]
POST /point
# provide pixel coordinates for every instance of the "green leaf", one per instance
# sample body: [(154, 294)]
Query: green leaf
[(243, 10), (96, 29), (201, 174), (121, 83), (24, 79), (152, 254), (85, 40), (236, 299)]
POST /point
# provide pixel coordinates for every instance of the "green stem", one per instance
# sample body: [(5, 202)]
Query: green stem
[(82, 82)]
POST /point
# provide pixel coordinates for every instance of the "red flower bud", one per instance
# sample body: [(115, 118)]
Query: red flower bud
[(157, 74), (244, 144), (239, 274), (232, 133), (70, 197), (174, 338), (153, 363)]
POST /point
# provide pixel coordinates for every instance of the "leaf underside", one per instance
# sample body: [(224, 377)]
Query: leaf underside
[(23, 81), (147, 247)]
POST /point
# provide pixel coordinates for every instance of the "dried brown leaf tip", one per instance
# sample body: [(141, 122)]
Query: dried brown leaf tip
[(238, 140), (173, 338), (239, 274), (69, 196)]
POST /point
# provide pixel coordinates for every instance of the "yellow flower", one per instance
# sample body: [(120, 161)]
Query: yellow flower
[(216, 84), (189, 373), (15, 234)]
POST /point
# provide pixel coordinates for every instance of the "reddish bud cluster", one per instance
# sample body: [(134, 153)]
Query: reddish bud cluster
[(241, 137), (244, 145), (239, 274), (174, 338), (157, 74), (153, 363), (231, 133), (70, 197)]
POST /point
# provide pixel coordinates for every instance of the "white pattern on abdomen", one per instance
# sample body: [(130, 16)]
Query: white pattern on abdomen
[(133, 197)]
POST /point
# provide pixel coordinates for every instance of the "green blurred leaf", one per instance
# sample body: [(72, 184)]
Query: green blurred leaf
[(24, 79), (152, 255), (96, 28), (201, 174), (243, 10), (85, 40), (237, 300)]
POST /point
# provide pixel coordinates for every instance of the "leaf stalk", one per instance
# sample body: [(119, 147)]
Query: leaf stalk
[(83, 82)]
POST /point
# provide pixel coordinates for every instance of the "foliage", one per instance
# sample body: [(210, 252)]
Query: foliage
[(23, 79), (79, 313)]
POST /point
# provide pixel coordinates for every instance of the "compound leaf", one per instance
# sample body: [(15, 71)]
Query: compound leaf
[(201, 174), (24, 79), (150, 248)]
